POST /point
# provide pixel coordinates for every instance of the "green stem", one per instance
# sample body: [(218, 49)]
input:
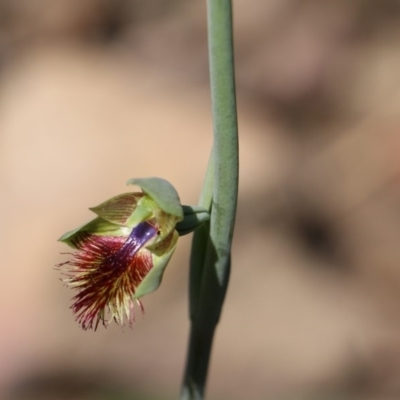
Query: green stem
[(211, 248), (206, 194)]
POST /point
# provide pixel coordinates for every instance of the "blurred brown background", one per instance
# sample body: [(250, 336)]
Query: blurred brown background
[(93, 93)]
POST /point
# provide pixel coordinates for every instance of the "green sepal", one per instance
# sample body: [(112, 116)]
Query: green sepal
[(119, 208), (194, 216), (163, 193), (98, 227), (154, 277)]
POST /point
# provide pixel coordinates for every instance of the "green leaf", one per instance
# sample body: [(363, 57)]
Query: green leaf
[(162, 192), (119, 208)]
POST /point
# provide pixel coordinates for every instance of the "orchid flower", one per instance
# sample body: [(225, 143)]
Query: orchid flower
[(121, 255)]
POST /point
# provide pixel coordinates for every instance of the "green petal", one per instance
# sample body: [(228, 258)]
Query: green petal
[(119, 208), (145, 209), (98, 226), (162, 192), (153, 279)]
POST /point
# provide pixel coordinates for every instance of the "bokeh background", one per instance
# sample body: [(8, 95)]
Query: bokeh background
[(95, 92)]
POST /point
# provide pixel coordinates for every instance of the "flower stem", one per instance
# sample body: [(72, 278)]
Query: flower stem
[(211, 248)]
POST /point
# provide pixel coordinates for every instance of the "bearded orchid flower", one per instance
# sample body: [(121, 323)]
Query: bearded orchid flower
[(121, 255)]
